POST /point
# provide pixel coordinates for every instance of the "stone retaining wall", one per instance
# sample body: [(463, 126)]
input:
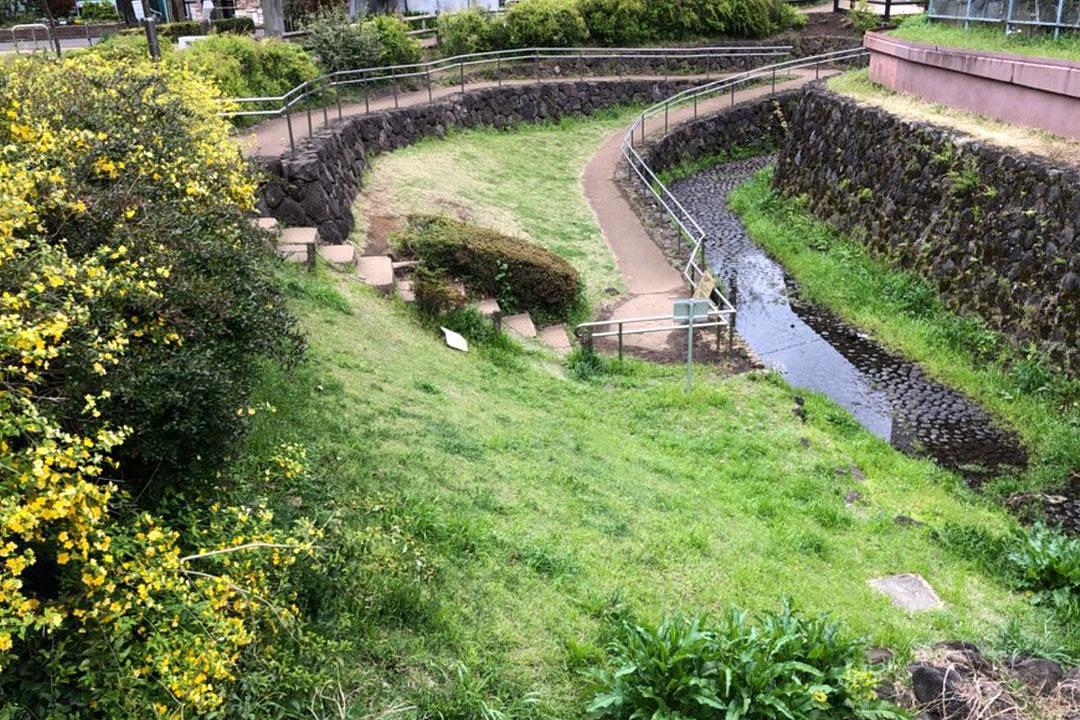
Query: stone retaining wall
[(316, 185), (997, 231)]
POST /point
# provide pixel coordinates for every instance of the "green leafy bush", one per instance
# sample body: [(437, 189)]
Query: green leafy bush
[(1048, 563), (235, 25), (546, 23), (340, 44), (522, 276), (434, 294), (673, 20), (468, 31), (396, 46), (615, 22), (174, 30), (242, 66), (98, 12), (777, 665)]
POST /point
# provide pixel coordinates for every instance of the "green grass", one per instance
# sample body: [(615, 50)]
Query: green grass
[(989, 37), (525, 183), (534, 502), (905, 314)]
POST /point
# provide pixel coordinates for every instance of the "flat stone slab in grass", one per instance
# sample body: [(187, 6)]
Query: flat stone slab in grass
[(266, 223), (520, 324), (377, 270), (339, 255), (293, 253), (555, 337), (908, 591), (405, 290)]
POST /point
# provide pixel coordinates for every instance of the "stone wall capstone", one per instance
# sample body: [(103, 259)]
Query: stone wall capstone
[(316, 185), (996, 231)]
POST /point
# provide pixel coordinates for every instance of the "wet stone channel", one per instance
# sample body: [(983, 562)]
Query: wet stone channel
[(814, 349)]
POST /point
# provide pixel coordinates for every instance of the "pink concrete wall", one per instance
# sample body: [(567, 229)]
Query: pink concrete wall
[(1037, 92)]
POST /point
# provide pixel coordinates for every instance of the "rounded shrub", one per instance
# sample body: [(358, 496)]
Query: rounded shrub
[(337, 43), (521, 275), (242, 66), (615, 22), (468, 31), (396, 46), (546, 23)]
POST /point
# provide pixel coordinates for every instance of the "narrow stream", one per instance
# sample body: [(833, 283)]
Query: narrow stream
[(814, 349)]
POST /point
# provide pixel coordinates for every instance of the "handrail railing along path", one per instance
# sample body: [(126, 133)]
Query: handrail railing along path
[(500, 61), (695, 269)]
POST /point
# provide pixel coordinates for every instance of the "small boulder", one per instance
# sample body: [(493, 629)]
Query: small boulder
[(935, 689), (1039, 674)]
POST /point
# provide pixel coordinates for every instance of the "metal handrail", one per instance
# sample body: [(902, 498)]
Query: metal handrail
[(723, 318), (687, 226), (33, 28), (317, 87)]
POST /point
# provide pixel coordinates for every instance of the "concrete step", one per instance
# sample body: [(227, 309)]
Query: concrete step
[(489, 307), (520, 324), (555, 337), (341, 257), (377, 271), (405, 291), (266, 223), (299, 236)]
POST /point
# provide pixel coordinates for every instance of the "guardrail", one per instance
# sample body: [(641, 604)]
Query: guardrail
[(716, 318), (695, 270), (314, 92), (1059, 16)]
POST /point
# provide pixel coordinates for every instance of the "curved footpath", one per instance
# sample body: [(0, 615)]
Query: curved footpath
[(652, 282)]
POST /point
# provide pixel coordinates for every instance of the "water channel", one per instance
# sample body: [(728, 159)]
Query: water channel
[(814, 349)]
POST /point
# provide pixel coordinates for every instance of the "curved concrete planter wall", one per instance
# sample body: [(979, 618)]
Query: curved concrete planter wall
[(1037, 92)]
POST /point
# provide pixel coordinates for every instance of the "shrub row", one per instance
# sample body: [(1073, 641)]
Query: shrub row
[(565, 23), (521, 275)]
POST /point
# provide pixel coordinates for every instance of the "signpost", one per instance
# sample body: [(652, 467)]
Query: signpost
[(688, 312)]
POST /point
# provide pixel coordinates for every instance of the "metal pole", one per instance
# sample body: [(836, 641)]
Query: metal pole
[(732, 94), (498, 71), (367, 99), (322, 98), (1057, 27), (337, 97), (888, 9), (429, 97), (151, 39), (690, 352), (620, 341), (774, 77), (581, 64), (461, 75), (309, 130), (393, 88), (967, 14), (695, 106), (666, 104), (537, 63), (1008, 16), (288, 121), (708, 63), (731, 334)]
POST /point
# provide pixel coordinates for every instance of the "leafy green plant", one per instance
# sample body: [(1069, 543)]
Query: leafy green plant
[(242, 66), (337, 43), (775, 665), (468, 31), (546, 23), (615, 22), (863, 17), (396, 46), (1048, 563), (234, 25), (100, 11)]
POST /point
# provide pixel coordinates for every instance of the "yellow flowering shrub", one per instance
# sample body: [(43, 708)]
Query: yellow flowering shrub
[(134, 303)]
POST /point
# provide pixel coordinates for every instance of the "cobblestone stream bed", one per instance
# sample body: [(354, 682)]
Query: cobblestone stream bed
[(814, 349)]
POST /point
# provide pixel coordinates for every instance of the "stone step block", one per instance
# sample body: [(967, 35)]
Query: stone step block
[(555, 337), (268, 224), (489, 307), (405, 291), (520, 324), (299, 236), (298, 254), (377, 271), (341, 257)]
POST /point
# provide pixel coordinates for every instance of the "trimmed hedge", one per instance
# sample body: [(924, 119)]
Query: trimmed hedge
[(546, 23), (235, 25), (521, 275)]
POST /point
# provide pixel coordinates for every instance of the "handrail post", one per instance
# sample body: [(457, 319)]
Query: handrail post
[(731, 334), (288, 122), (620, 342), (393, 87), (774, 76), (498, 71), (888, 9), (337, 97), (536, 63), (708, 66), (367, 99), (695, 106), (461, 75), (428, 74), (309, 130), (732, 94), (667, 105), (322, 99), (581, 65)]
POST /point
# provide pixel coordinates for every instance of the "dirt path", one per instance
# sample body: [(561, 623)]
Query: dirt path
[(652, 282)]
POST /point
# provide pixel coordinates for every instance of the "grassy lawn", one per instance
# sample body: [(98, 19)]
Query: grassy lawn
[(990, 37), (523, 183), (905, 314), (539, 501), (857, 84)]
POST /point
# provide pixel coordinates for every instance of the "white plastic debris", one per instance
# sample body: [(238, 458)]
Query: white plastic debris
[(455, 340)]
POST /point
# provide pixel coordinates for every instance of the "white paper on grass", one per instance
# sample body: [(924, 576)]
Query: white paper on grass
[(455, 340)]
